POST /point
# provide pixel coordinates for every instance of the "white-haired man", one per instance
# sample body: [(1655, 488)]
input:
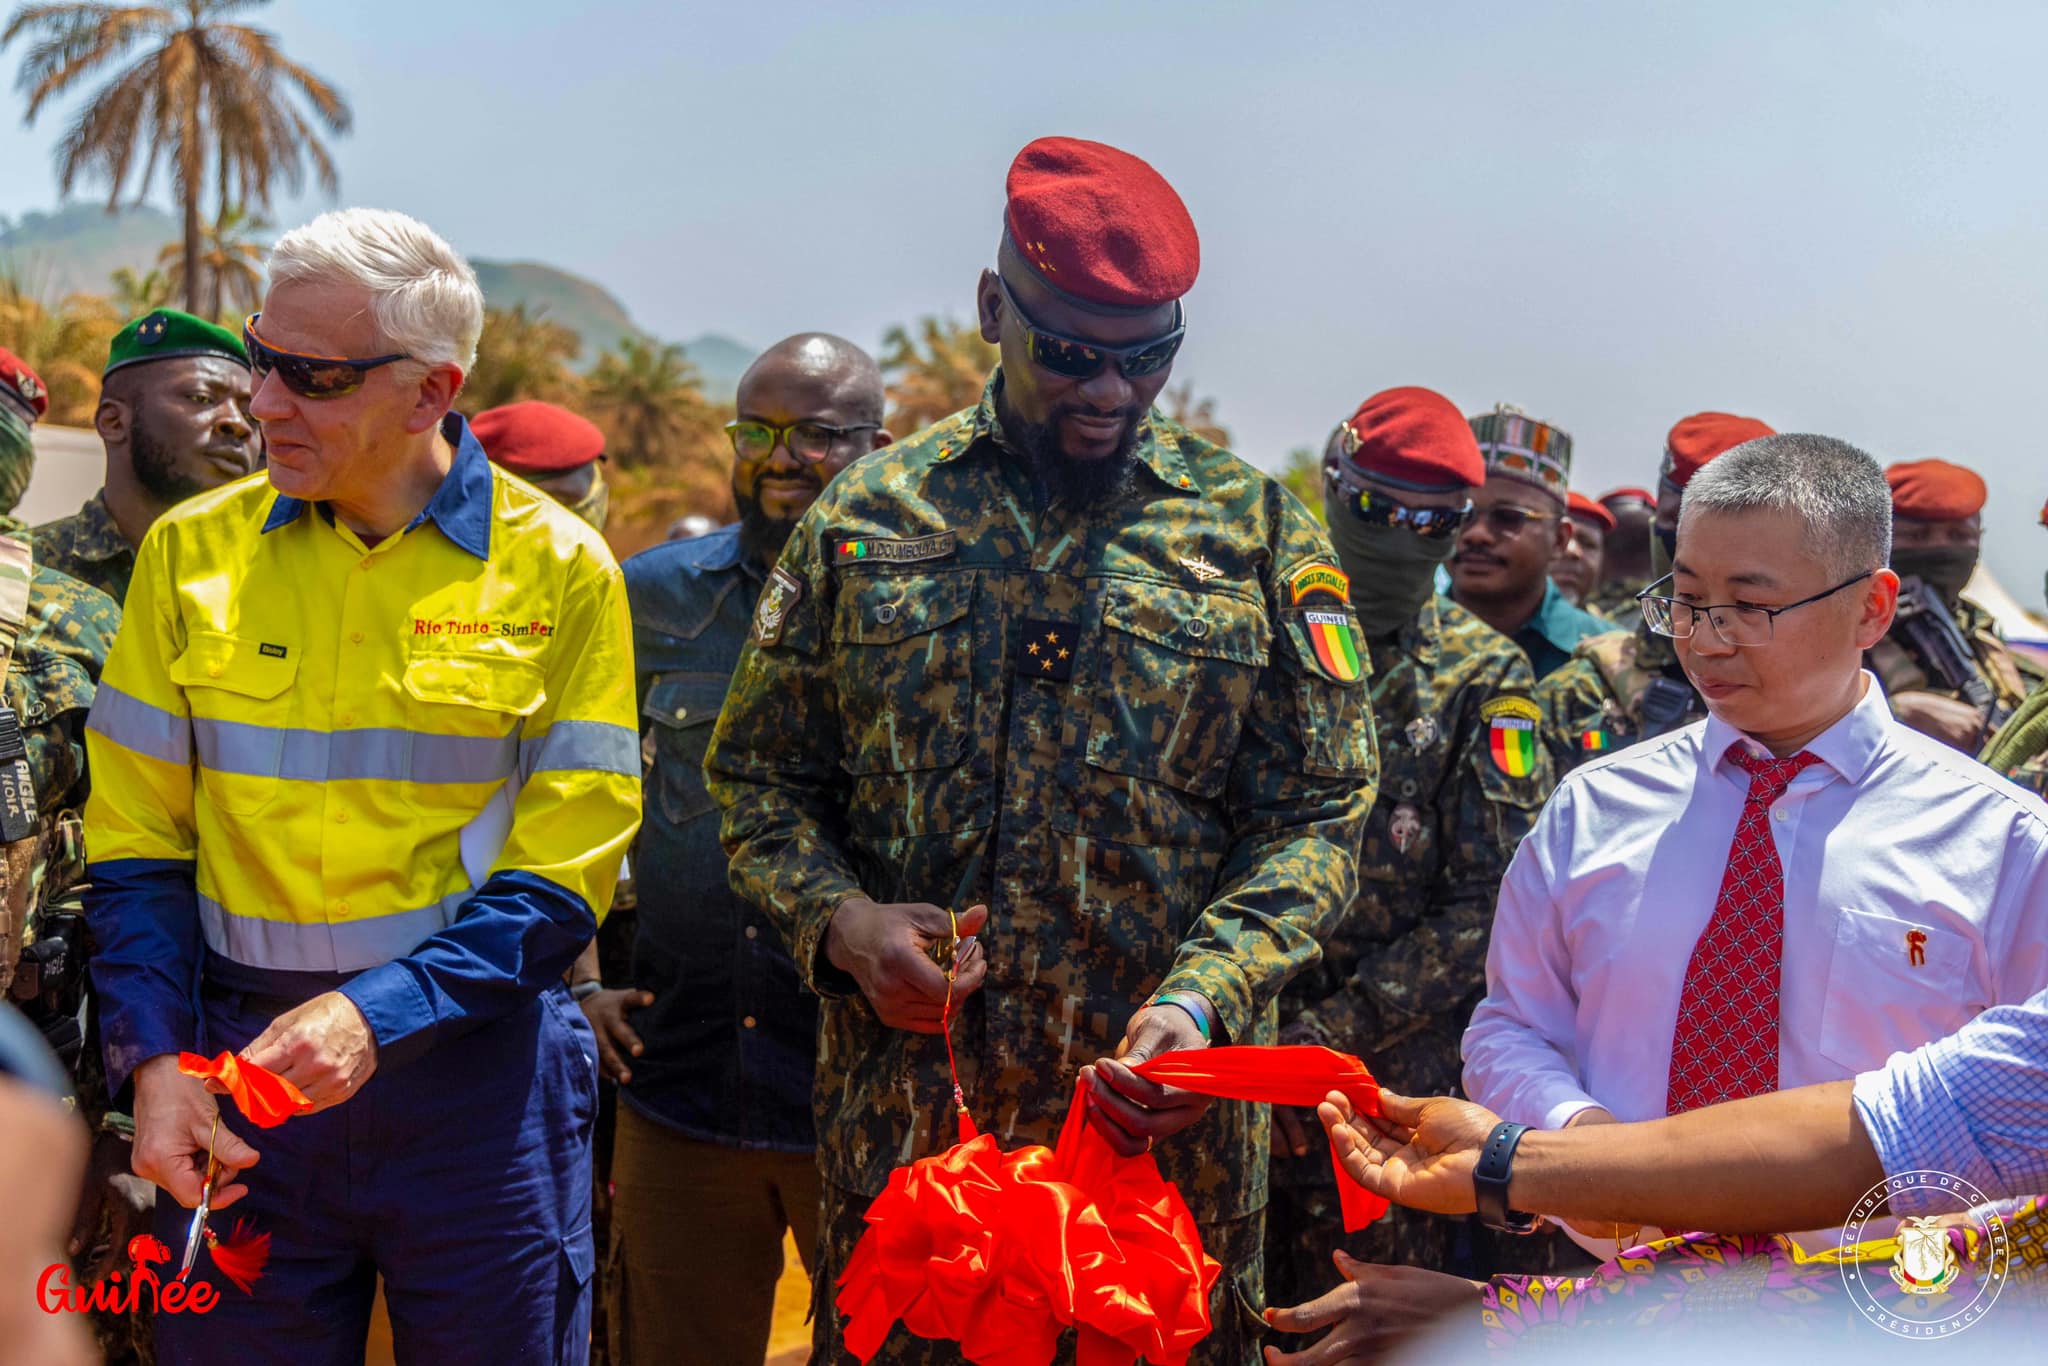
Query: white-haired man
[(365, 765), (1785, 893)]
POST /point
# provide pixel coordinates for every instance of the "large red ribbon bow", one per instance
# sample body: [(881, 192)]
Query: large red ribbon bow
[(265, 1098), (1001, 1252)]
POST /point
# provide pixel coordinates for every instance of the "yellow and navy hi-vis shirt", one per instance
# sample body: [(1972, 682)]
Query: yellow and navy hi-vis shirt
[(409, 770)]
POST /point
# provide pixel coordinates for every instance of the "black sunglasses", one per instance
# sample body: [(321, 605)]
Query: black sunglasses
[(1376, 509), (309, 376), (1072, 358)]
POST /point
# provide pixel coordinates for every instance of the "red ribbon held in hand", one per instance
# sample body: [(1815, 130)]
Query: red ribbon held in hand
[(264, 1098), (1001, 1252)]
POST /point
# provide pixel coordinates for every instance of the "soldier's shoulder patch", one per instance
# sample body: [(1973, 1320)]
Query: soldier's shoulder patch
[(784, 590), (1511, 733), (1318, 577), (888, 550), (1333, 650)]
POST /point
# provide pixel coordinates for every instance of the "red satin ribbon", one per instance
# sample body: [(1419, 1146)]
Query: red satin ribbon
[(267, 1099), (1001, 1252)]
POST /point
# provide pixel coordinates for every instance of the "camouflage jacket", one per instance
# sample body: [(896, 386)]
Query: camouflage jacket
[(1617, 602), (88, 547), (1597, 702), (2020, 749), (1900, 668), (1400, 977), (49, 685), (1119, 726)]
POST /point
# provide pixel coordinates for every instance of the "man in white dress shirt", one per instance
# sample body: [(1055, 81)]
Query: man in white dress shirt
[(1785, 893)]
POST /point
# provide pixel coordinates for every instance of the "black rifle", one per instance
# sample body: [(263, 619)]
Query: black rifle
[(1666, 704), (1939, 646)]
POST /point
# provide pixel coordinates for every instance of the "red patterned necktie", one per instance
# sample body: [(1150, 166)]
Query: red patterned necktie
[(1726, 1043)]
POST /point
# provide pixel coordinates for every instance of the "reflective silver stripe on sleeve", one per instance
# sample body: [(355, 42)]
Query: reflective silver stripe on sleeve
[(136, 725), (328, 946), (589, 746)]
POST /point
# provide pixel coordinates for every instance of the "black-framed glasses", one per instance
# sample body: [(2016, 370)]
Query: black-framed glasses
[(1377, 509), (1072, 358), (1737, 624), (310, 376), (1505, 520), (809, 442)]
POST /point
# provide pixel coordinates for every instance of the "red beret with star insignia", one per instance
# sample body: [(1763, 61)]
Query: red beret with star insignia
[(1415, 438), (537, 438), (1935, 491), (1697, 439), (1584, 509), (1100, 226), (23, 385)]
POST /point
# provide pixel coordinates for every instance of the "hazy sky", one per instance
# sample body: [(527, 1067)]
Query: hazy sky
[(1827, 216)]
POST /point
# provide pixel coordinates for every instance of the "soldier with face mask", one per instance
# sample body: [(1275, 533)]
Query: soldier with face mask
[(551, 448), (1943, 664), (1462, 778)]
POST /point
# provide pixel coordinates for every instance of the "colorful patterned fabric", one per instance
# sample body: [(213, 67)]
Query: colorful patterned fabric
[(1726, 1043), (1695, 1282)]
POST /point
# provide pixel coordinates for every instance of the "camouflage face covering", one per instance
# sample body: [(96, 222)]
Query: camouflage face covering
[(595, 505), (17, 458)]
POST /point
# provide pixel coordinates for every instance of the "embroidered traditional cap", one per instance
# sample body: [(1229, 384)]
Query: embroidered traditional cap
[(1099, 225), (533, 437), (1935, 490), (1695, 440), (1412, 437), (1584, 509), (1518, 446), (22, 385), (167, 334)]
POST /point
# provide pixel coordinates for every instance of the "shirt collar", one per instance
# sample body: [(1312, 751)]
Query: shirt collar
[(1158, 445), (1555, 619), (1850, 747), (100, 538), (1418, 635), (461, 506)]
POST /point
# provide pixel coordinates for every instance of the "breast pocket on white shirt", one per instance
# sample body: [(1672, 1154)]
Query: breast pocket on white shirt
[(1892, 985)]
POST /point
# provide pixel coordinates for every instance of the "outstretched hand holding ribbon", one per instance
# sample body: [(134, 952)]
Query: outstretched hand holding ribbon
[(1002, 1252), (266, 1100)]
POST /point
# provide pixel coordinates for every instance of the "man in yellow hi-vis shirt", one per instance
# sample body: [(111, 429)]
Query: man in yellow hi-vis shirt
[(365, 765)]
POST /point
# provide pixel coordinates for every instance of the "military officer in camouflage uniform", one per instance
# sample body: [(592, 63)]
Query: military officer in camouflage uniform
[(1626, 685), (174, 418), (1461, 780), (57, 632), (1937, 529), (1062, 666), (1579, 569)]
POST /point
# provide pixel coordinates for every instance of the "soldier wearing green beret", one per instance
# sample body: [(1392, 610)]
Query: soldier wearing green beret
[(174, 418)]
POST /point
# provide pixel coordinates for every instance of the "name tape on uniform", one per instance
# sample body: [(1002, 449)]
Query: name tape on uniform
[(853, 549)]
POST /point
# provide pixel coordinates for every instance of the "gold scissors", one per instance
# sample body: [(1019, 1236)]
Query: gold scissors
[(195, 1234)]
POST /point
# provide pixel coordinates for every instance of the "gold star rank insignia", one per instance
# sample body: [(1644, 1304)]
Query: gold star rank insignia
[(1048, 650)]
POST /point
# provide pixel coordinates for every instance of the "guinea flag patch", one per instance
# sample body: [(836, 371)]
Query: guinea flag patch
[(1334, 645), (1511, 734), (1595, 741)]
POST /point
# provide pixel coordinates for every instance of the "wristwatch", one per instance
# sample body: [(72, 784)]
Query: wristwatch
[(583, 991), (1490, 1180)]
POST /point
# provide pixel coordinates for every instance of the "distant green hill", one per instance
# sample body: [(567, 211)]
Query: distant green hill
[(78, 247)]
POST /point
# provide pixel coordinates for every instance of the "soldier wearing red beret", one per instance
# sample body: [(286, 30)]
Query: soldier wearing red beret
[(555, 450), (1583, 563), (1944, 664), (1624, 554), (23, 400), (1064, 678), (1627, 685), (1398, 981)]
